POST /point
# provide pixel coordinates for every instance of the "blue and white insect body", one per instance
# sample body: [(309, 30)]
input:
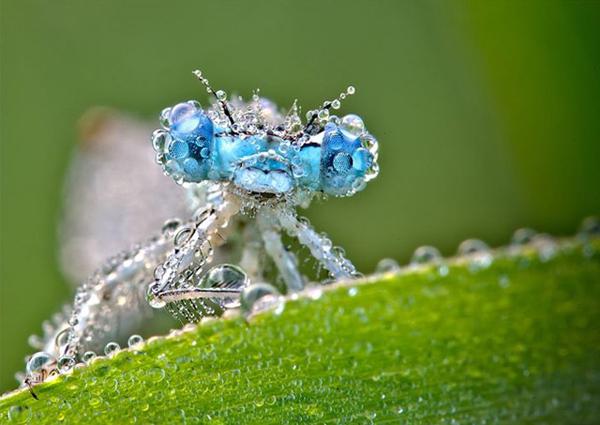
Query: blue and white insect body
[(266, 162), (246, 167), (262, 151)]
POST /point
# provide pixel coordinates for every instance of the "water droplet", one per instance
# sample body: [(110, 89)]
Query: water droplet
[(353, 291), (164, 117), (88, 356), (522, 236), (353, 124), (221, 95), (39, 363), (252, 293), (226, 276), (335, 104), (425, 254), (134, 340), (478, 253), (160, 139), (19, 414), (350, 90), (111, 348), (590, 227), (274, 303), (156, 374), (65, 364), (545, 245), (387, 265), (314, 292), (154, 300)]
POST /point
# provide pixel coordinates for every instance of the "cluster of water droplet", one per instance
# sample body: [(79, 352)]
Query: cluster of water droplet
[(479, 256)]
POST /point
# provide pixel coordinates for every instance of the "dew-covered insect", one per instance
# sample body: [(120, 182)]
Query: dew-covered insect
[(247, 167)]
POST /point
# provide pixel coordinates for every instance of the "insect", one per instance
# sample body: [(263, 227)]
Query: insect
[(247, 168)]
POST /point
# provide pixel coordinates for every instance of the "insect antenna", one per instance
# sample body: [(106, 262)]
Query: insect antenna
[(220, 95), (327, 105)]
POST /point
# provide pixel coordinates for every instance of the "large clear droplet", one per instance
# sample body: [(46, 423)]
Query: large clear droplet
[(387, 265), (111, 348), (134, 340), (353, 124), (228, 277), (425, 254), (480, 256), (252, 293), (590, 227), (39, 362), (65, 364), (160, 138), (19, 414), (522, 236), (88, 356)]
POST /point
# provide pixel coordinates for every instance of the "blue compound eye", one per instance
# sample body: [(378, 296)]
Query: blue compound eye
[(344, 162), (184, 148)]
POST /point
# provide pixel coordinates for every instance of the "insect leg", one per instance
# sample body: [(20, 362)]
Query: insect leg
[(284, 260), (252, 253), (332, 258), (178, 281)]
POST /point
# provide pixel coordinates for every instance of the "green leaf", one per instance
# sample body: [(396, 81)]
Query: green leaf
[(516, 341)]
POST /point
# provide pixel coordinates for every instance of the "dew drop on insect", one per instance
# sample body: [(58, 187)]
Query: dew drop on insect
[(252, 293), (38, 362), (522, 236), (160, 138), (221, 95), (353, 124), (425, 254), (65, 364), (387, 265), (350, 90), (323, 114), (134, 340), (164, 117), (154, 300), (88, 356), (226, 276), (335, 104), (111, 348), (19, 414)]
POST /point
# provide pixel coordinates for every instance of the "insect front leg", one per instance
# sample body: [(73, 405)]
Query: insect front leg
[(332, 258), (182, 284)]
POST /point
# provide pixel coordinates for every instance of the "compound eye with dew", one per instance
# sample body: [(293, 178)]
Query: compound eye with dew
[(346, 163), (184, 145)]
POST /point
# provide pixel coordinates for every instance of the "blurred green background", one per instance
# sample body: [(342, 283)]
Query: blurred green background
[(487, 114)]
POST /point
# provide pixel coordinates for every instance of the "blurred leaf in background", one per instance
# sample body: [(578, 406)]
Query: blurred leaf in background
[(486, 112)]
